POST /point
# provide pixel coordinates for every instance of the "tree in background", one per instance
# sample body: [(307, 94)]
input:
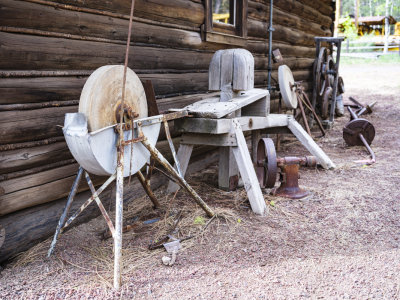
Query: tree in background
[(370, 8)]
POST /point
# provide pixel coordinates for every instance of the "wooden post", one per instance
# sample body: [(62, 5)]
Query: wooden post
[(228, 173)]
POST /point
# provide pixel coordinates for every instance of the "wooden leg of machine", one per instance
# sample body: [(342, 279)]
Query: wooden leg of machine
[(247, 171), (228, 173), (309, 143), (183, 156)]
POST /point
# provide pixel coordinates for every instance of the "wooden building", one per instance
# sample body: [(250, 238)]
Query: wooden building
[(49, 48)]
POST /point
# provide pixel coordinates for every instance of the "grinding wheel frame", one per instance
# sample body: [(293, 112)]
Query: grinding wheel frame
[(267, 167), (287, 87)]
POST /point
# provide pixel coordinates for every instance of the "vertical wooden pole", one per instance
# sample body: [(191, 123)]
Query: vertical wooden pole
[(119, 198)]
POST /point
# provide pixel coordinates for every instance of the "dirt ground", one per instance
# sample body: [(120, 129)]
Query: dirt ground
[(342, 242)]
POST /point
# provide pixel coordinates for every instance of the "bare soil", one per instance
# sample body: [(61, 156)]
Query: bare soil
[(342, 242)]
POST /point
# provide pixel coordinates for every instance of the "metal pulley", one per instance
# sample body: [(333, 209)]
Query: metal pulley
[(266, 163), (267, 169)]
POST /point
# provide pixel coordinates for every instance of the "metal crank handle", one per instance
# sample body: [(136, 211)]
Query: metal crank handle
[(373, 159)]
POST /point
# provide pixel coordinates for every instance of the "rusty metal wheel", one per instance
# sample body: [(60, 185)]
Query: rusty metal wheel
[(266, 168), (320, 74), (352, 130)]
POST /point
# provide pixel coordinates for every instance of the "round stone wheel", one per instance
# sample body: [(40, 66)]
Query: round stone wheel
[(102, 92), (286, 86), (354, 128)]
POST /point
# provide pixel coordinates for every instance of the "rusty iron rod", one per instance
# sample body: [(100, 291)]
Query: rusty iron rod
[(67, 207), (147, 188), (100, 205), (303, 115), (158, 156), (307, 100), (88, 201)]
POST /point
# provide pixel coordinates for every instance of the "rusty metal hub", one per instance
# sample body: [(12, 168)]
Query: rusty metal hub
[(267, 166)]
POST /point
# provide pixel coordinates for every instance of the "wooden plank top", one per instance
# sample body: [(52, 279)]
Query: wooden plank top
[(213, 109)]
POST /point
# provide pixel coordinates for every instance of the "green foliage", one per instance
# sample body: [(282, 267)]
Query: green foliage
[(371, 8), (199, 220), (349, 29)]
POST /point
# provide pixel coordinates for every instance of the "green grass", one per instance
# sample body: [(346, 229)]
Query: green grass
[(383, 59)]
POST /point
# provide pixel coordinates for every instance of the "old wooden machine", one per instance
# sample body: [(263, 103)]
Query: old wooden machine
[(222, 121), (112, 135)]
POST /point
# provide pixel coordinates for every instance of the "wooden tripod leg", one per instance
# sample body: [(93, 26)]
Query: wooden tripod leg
[(147, 189), (161, 159), (183, 156)]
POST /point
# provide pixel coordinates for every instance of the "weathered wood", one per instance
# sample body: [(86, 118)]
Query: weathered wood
[(281, 33), (221, 126), (228, 172), (260, 10), (247, 171), (49, 189), (29, 226), (207, 139), (182, 12), (38, 52), (184, 154), (20, 159), (214, 108), (22, 126), (309, 144)]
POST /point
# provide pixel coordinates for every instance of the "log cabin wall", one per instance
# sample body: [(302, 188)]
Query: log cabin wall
[(49, 48)]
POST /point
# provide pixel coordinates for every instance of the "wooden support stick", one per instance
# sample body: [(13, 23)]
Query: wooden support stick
[(247, 171)]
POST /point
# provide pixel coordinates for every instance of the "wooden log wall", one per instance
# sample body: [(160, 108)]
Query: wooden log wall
[(49, 48)]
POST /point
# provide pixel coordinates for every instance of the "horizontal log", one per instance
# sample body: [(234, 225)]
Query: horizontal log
[(324, 7), (26, 52), (282, 33), (31, 144), (25, 228), (261, 46), (182, 12), (35, 170), (23, 126), (301, 10), (18, 14), (28, 90), (260, 11), (25, 158)]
